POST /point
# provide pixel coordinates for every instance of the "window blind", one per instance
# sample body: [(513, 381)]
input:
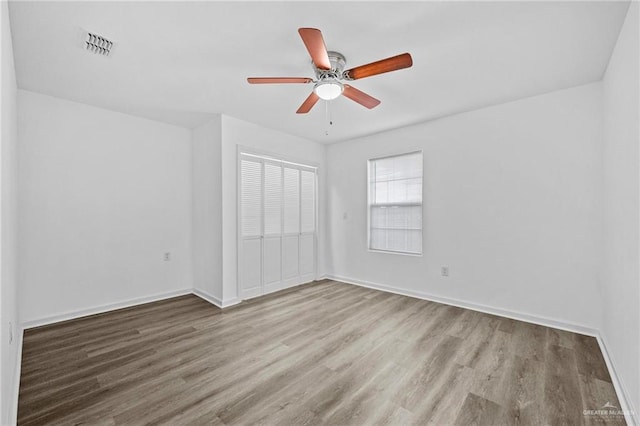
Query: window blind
[(395, 203)]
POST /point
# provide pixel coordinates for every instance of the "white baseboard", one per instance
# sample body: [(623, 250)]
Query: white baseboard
[(127, 304), (626, 405), (547, 322), (230, 302), (103, 308), (13, 414), (630, 414), (215, 300), (208, 297)]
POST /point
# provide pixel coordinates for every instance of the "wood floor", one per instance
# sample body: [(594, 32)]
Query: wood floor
[(323, 353)]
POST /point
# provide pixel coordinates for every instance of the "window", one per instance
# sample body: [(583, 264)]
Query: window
[(395, 204)]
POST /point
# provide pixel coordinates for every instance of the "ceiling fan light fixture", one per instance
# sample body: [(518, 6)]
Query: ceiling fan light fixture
[(328, 90)]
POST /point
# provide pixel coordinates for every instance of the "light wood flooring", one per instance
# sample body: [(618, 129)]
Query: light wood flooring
[(323, 353)]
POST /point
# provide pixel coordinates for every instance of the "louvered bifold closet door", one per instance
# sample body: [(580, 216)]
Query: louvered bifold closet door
[(307, 225), (277, 232), (291, 235), (251, 226), (272, 237)]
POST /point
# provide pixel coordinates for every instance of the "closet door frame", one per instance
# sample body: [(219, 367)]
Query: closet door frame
[(300, 165)]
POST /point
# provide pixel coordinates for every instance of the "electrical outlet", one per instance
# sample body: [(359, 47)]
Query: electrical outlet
[(444, 271), (167, 257)]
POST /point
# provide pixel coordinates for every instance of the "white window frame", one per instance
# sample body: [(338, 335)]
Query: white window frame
[(369, 204)]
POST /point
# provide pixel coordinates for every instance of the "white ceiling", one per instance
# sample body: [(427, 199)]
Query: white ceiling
[(180, 61)]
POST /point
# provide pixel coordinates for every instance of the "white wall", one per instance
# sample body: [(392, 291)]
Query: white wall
[(620, 275), (207, 209), (512, 207), (237, 132), (8, 229), (102, 197)]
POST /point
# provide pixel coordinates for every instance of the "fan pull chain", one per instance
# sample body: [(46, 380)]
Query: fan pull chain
[(328, 116)]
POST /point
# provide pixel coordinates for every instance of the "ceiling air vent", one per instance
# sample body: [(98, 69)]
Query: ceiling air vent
[(98, 44)]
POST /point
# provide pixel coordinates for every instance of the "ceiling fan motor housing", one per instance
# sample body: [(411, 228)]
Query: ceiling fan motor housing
[(338, 61)]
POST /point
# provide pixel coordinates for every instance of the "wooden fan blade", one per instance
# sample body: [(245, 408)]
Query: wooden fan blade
[(360, 97), (278, 80), (314, 43), (380, 67), (308, 103)]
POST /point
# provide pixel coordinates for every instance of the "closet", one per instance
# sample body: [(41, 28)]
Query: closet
[(277, 224)]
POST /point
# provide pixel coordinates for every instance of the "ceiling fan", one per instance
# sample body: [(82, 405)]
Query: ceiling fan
[(330, 74)]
